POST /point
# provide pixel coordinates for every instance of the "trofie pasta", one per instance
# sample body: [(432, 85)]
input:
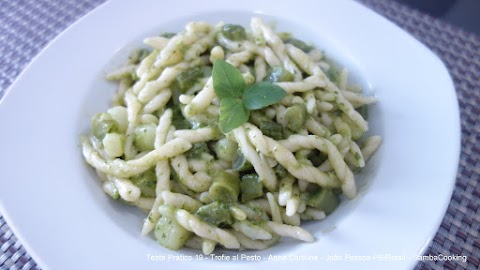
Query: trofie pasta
[(230, 137)]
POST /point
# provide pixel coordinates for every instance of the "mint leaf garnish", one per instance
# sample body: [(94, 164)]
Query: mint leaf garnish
[(236, 102), (227, 80), (262, 94), (232, 114)]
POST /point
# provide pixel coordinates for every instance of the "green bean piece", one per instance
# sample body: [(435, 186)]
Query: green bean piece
[(272, 129), (147, 182), (325, 199), (168, 34), (225, 187), (103, 123), (295, 116), (268, 127), (279, 74), (251, 186), (197, 150), (215, 213), (234, 32), (170, 234), (300, 44), (226, 149), (240, 162), (257, 117), (144, 137), (188, 78)]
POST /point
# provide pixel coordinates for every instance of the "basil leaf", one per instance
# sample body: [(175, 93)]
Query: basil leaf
[(262, 94), (235, 100), (232, 114), (227, 80)]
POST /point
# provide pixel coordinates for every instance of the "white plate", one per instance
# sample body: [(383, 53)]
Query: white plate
[(54, 203)]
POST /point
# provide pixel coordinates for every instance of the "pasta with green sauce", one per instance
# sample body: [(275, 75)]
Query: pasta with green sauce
[(230, 137)]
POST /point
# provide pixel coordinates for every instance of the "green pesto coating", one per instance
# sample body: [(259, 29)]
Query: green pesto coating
[(299, 44), (240, 162), (147, 182), (234, 32), (215, 213), (295, 116), (251, 187), (279, 74), (325, 199), (144, 137), (103, 123), (170, 234), (188, 78), (197, 150), (226, 149), (268, 127), (225, 187)]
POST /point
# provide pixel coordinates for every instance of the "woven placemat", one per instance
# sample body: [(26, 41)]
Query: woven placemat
[(460, 51), (26, 26)]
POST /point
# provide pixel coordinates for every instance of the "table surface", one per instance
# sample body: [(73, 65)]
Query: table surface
[(462, 13), (27, 26)]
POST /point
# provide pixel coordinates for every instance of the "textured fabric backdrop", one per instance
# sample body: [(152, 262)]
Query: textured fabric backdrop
[(26, 26)]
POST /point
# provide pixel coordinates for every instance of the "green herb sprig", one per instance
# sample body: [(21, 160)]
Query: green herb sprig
[(237, 100)]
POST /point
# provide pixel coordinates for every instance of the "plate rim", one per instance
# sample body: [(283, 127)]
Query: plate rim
[(105, 5)]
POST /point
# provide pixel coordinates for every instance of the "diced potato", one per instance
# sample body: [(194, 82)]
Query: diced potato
[(113, 144), (144, 137), (119, 114), (170, 234)]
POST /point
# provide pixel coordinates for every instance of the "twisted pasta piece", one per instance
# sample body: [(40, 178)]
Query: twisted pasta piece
[(277, 46), (159, 101), (208, 246), (371, 145), (145, 65), (265, 172), (133, 109), (307, 84), (122, 168), (270, 147), (198, 135), (249, 243), (290, 231), (296, 142), (253, 231), (180, 201), (194, 224), (198, 182), (201, 101), (156, 42), (165, 80)]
